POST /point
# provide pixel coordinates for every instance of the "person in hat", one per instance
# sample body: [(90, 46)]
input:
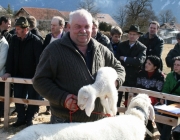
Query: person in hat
[(23, 56), (132, 55), (152, 41), (173, 53)]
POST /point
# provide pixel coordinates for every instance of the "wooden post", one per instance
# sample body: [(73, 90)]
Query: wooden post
[(6, 104), (129, 98)]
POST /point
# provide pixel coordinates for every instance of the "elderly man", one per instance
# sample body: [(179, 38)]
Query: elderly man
[(70, 63), (5, 24), (101, 38), (57, 27), (132, 55), (23, 56)]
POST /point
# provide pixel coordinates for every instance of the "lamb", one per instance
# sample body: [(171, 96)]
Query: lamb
[(130, 126), (104, 88)]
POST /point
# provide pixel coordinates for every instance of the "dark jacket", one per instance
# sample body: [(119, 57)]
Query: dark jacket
[(62, 71), (7, 36), (136, 56), (36, 32), (171, 54), (31, 53), (154, 83), (154, 45), (48, 39), (114, 46), (103, 39)]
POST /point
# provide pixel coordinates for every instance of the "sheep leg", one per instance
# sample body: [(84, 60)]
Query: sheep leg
[(105, 104), (112, 103)]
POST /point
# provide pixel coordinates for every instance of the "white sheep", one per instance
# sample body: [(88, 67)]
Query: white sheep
[(104, 88), (130, 126)]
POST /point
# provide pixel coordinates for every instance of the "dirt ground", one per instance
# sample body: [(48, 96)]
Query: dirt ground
[(6, 134)]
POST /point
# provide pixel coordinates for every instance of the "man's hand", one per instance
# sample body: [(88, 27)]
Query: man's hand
[(117, 84), (5, 76), (71, 102)]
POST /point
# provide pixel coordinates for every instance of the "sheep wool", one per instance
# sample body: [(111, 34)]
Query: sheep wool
[(130, 126), (104, 88)]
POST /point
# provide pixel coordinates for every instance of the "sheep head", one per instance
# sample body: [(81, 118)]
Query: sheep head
[(86, 99), (143, 101)]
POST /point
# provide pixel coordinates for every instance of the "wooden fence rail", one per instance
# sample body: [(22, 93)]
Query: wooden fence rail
[(7, 100)]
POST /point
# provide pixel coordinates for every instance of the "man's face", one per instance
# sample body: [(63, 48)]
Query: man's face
[(133, 36), (80, 30), (153, 29), (55, 27), (21, 32), (6, 25), (115, 38), (178, 40), (94, 30)]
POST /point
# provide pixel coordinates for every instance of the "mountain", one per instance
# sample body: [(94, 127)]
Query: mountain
[(105, 6)]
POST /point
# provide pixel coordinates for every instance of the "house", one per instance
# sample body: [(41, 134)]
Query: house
[(168, 32), (106, 18), (2, 10), (44, 16)]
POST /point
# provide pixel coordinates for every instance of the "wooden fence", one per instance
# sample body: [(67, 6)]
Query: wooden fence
[(7, 100)]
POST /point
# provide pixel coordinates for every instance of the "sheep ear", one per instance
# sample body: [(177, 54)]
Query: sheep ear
[(90, 105), (151, 114)]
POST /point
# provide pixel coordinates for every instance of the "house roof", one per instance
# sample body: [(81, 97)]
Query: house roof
[(65, 14), (170, 26), (106, 18), (46, 13), (41, 13)]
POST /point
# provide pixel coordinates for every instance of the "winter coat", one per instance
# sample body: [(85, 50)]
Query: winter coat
[(103, 39), (62, 71), (136, 56), (171, 54), (154, 45), (7, 36), (154, 83), (48, 39), (32, 50)]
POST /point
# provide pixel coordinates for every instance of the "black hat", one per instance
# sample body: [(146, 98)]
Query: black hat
[(134, 28), (22, 22)]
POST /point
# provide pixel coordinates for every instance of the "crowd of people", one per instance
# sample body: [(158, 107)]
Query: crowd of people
[(69, 58)]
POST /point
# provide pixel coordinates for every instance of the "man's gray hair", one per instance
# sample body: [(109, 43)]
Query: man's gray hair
[(81, 12), (60, 19)]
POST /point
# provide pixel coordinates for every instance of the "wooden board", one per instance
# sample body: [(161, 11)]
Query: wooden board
[(169, 113)]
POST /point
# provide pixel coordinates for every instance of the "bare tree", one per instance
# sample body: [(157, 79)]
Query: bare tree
[(139, 12), (136, 12), (90, 6), (121, 16), (166, 16)]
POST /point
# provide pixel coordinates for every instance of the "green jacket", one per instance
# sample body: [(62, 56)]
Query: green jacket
[(170, 83), (62, 71)]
